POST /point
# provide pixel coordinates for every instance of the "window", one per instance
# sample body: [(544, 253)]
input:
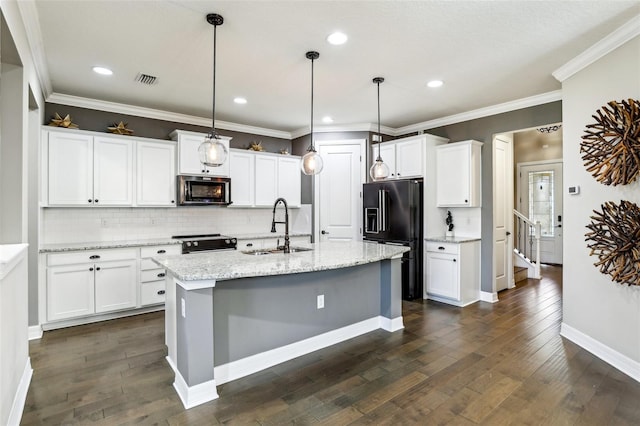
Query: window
[(541, 201)]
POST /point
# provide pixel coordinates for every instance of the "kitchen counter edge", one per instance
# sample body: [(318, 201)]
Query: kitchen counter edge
[(454, 240)]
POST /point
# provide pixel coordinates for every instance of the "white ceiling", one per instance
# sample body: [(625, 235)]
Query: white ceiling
[(487, 53)]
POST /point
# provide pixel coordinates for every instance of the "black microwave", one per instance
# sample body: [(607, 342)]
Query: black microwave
[(203, 191)]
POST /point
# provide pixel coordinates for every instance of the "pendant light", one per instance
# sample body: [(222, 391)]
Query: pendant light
[(212, 152), (379, 170), (311, 163)]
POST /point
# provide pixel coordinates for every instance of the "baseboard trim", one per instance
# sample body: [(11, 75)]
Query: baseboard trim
[(35, 332), (20, 398), (192, 396), (486, 296), (102, 317), (391, 324), (258, 362), (623, 363)]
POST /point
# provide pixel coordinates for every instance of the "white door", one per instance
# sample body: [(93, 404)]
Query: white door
[(289, 180), (70, 164), (409, 158), (502, 211), (115, 285), (388, 155), (266, 180), (70, 291), (339, 190), (540, 199), (242, 173), (156, 174), (112, 172)]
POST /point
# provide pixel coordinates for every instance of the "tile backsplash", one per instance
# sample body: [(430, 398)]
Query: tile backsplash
[(74, 225)]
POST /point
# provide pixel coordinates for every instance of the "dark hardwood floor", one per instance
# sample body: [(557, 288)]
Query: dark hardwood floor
[(492, 364)]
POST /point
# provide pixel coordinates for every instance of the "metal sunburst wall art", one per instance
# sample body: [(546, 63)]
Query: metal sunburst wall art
[(615, 238), (610, 147)]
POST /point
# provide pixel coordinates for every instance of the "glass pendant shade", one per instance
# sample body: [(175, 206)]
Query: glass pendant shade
[(311, 163), (379, 170), (212, 152)]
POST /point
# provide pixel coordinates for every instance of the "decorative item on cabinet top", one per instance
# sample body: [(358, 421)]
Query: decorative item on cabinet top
[(610, 147), (256, 146), (120, 129), (65, 122)]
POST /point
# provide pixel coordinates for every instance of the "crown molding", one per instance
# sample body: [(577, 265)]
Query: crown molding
[(31, 23), (80, 102), (541, 99), (611, 42), (358, 127)]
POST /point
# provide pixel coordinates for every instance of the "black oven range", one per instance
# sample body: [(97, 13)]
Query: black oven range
[(206, 242)]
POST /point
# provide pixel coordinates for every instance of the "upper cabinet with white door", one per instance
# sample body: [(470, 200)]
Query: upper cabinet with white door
[(156, 174), (188, 160), (403, 156), (458, 179), (258, 178), (84, 169)]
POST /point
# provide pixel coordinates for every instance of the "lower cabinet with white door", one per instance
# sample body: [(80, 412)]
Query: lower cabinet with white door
[(452, 271)]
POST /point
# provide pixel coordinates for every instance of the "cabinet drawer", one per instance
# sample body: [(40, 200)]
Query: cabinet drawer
[(146, 264), (89, 256), (438, 247), (152, 275), (152, 293), (160, 250)]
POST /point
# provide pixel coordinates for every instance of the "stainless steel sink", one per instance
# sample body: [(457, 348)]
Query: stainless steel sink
[(261, 252)]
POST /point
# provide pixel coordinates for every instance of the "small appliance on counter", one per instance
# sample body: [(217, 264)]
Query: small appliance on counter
[(393, 215), (206, 242), (203, 191)]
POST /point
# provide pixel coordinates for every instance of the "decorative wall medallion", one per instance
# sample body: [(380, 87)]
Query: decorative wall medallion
[(615, 238), (120, 129), (65, 122), (610, 147)]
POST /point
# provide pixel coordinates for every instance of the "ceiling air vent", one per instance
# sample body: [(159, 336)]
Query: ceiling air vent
[(146, 79)]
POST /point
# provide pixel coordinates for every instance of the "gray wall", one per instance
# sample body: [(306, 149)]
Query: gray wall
[(98, 121), (483, 130)]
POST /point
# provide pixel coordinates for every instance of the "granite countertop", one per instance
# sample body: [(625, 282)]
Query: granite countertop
[(228, 265), (455, 240), (52, 248)]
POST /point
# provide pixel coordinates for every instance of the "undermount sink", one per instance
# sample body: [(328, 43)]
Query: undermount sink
[(261, 252)]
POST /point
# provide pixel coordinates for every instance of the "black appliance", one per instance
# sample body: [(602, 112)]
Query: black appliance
[(203, 191), (206, 242), (393, 215)]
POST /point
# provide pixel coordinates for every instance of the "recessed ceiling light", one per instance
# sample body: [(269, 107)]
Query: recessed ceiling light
[(240, 100), (337, 38), (327, 119), (102, 71), (435, 83)]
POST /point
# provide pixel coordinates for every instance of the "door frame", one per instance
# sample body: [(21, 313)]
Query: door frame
[(558, 161), (362, 143), (508, 139)]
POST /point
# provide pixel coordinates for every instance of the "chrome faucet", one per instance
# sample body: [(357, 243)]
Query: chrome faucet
[(286, 247)]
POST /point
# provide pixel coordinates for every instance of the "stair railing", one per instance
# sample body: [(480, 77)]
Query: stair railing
[(527, 240)]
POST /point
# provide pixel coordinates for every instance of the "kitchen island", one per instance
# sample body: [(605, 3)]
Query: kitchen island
[(230, 314)]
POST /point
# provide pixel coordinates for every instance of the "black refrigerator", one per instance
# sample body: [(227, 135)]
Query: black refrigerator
[(393, 215)]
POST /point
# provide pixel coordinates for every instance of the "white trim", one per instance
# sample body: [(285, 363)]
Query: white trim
[(80, 102), (391, 324), (10, 256), (358, 127), (31, 23), (15, 415), (254, 363), (623, 363), (97, 318), (196, 285), (450, 301), (535, 100), (487, 296), (35, 332), (192, 396), (611, 42)]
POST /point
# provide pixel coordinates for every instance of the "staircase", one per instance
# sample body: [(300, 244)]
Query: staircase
[(526, 247), (520, 273)]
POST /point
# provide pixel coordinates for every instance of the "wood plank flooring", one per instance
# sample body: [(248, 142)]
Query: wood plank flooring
[(490, 364)]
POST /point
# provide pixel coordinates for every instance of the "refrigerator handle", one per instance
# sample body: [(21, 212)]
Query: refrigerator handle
[(382, 208)]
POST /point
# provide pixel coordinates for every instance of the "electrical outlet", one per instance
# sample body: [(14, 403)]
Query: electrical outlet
[(184, 308), (320, 301)]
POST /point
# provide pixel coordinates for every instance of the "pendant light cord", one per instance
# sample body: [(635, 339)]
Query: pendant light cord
[(213, 109), (311, 147), (379, 136)]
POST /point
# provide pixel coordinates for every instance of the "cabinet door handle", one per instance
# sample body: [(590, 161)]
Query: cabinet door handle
[(454, 260), (91, 269), (161, 251), (96, 200), (90, 200), (95, 256), (466, 201), (440, 248), (98, 268), (249, 244), (173, 201), (161, 274), (160, 292)]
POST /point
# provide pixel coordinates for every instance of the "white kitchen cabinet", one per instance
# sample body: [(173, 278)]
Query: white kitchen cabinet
[(258, 179), (152, 276), (242, 174), (188, 160), (458, 178), (83, 283), (156, 174), (403, 157), (452, 272), (87, 170)]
